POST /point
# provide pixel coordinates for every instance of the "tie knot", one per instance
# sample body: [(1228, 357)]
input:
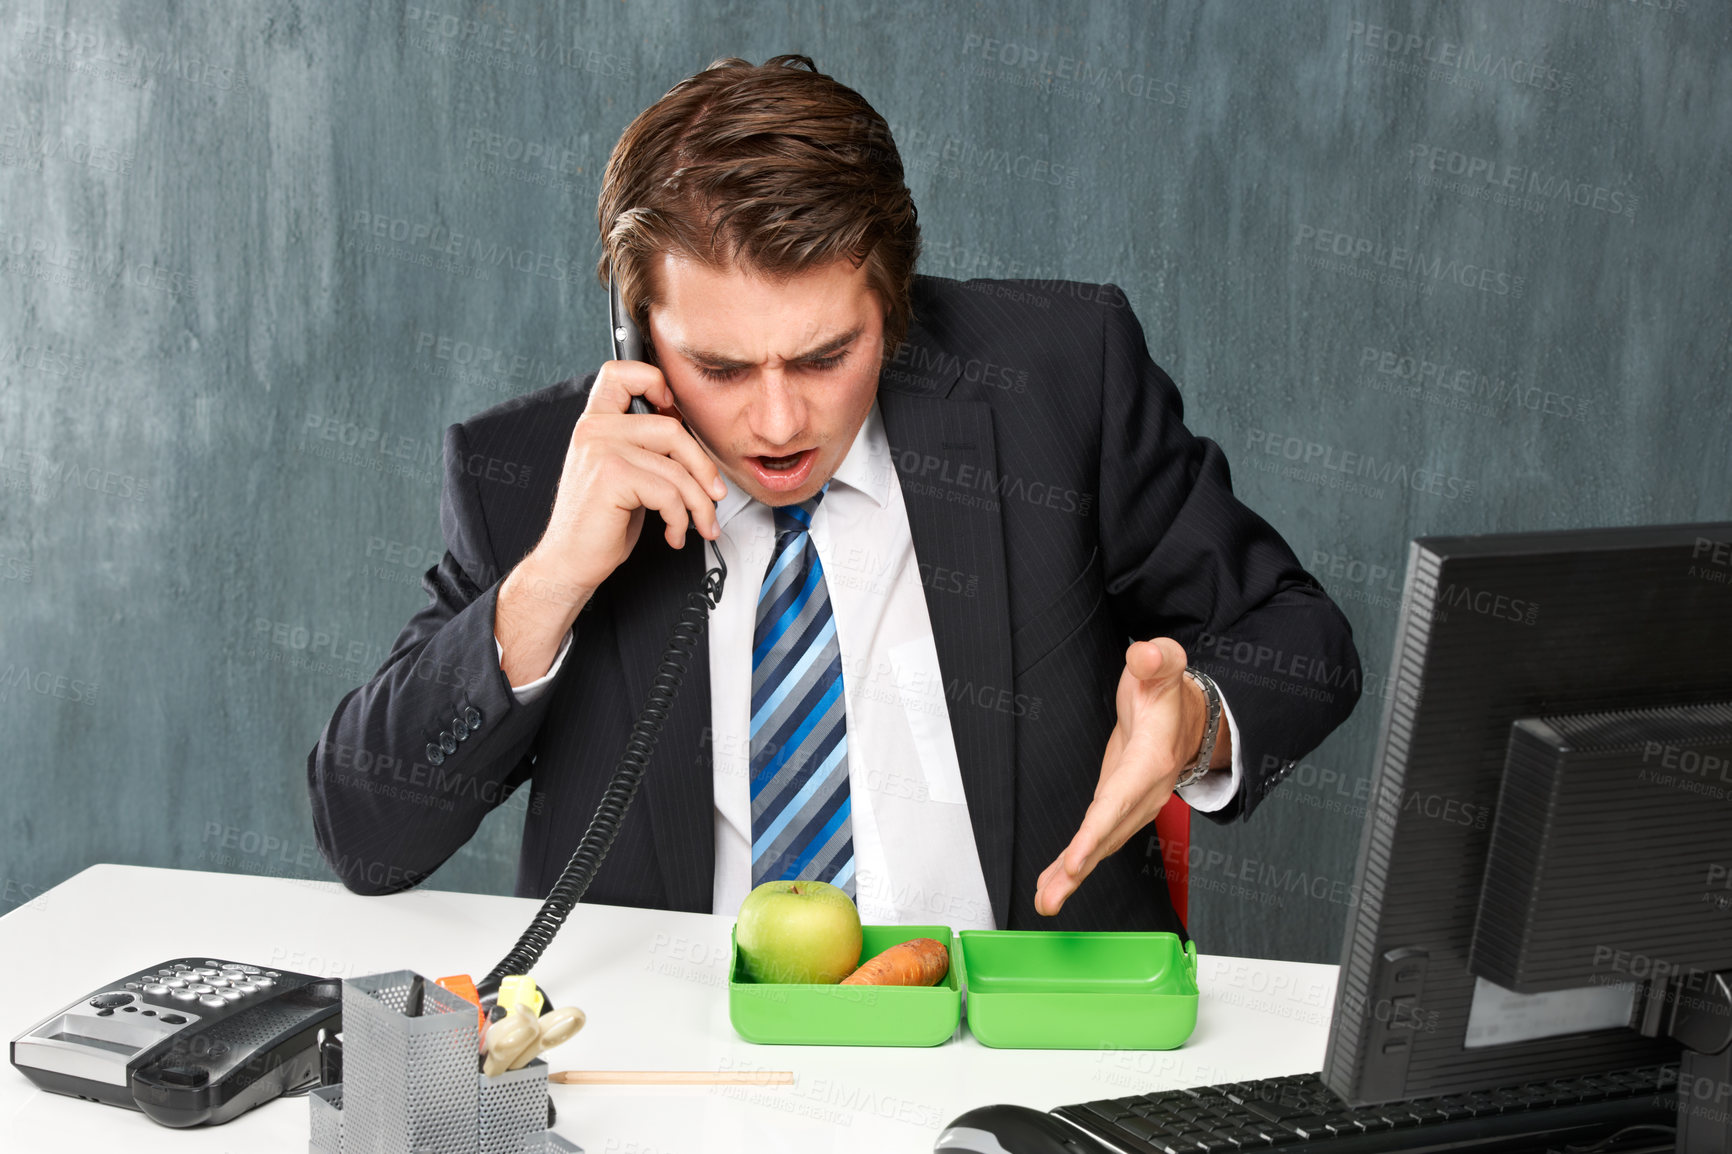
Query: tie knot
[(798, 518)]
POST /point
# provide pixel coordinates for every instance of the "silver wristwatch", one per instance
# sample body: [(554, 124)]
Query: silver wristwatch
[(1211, 730)]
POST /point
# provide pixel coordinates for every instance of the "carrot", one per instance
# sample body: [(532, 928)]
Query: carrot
[(920, 962)]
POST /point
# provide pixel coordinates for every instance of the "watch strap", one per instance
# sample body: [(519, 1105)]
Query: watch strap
[(1211, 730)]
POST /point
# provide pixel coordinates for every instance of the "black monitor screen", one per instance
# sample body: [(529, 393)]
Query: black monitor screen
[(1536, 638)]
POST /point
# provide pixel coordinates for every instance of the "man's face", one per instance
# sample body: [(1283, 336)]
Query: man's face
[(774, 377)]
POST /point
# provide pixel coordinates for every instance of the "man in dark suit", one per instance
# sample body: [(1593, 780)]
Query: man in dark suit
[(970, 544)]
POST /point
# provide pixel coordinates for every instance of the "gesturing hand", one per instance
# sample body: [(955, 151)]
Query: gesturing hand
[(1161, 717)]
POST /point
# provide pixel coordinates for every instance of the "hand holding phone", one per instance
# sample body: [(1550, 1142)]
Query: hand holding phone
[(653, 465), (624, 457)]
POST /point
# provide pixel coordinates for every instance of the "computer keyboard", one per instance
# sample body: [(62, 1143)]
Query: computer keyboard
[(1300, 1113)]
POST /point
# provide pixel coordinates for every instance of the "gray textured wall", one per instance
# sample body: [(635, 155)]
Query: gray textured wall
[(222, 395)]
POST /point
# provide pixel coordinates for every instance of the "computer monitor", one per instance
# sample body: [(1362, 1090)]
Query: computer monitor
[(1543, 880)]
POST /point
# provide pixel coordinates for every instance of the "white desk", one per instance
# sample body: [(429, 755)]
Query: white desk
[(654, 985)]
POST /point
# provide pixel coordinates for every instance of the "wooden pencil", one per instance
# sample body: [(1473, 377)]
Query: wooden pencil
[(673, 1077)]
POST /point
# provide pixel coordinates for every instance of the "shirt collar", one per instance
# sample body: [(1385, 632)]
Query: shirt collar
[(865, 469)]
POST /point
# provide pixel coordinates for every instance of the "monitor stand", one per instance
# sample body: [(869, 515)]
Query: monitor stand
[(1696, 1009)]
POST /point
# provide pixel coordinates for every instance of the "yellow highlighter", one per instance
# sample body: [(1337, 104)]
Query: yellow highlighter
[(519, 990)]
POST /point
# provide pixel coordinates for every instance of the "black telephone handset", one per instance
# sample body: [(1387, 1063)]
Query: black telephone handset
[(627, 339), (574, 880)]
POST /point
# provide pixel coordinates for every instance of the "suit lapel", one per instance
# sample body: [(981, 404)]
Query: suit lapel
[(944, 452), (678, 788)]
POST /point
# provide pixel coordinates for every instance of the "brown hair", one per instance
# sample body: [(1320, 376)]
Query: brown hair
[(776, 168)]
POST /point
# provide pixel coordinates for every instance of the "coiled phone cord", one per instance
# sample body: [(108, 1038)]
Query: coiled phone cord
[(574, 880)]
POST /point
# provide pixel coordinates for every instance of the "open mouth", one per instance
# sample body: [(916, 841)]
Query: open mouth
[(785, 473)]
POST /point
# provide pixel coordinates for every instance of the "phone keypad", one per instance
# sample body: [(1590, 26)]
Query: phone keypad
[(215, 985)]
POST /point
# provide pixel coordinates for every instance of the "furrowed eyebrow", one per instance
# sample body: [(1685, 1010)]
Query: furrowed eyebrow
[(816, 353)]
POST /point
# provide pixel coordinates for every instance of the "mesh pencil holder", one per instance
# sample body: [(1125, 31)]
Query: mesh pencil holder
[(326, 1120), (408, 1083), (412, 1085), (513, 1110)]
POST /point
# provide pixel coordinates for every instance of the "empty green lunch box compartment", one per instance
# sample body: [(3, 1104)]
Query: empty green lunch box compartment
[(817, 1015), (1059, 990)]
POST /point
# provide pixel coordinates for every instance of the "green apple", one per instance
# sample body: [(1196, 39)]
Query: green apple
[(798, 931)]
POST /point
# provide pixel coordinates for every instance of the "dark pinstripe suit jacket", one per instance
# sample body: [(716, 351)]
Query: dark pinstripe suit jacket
[(1058, 507)]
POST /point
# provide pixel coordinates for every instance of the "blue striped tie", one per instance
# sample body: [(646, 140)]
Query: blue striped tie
[(800, 824)]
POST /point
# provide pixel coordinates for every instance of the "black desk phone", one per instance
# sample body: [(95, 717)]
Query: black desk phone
[(189, 1041), (193, 1041)]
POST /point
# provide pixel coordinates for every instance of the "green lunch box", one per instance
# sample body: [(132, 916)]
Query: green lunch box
[(1058, 990), (819, 1015)]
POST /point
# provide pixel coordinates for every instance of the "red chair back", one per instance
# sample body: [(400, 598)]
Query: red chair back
[(1173, 825)]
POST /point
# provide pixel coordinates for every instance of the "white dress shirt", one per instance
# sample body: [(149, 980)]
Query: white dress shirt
[(914, 854)]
